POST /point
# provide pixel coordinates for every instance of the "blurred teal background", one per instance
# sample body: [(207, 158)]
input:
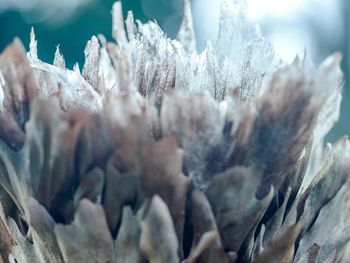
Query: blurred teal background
[(72, 32), (319, 26)]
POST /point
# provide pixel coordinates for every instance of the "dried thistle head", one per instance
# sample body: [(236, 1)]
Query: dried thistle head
[(157, 153)]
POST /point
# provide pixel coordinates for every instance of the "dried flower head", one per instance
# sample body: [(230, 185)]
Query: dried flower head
[(156, 153)]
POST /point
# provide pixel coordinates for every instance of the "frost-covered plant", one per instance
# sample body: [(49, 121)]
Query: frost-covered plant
[(155, 153)]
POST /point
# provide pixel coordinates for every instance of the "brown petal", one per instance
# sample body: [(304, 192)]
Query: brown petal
[(87, 239), (158, 239)]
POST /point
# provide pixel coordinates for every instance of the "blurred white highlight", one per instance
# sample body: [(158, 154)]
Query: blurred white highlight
[(292, 26), (259, 9), (55, 12)]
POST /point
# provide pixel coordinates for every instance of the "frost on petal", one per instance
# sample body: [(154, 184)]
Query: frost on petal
[(186, 34), (189, 117), (58, 60), (72, 89), (251, 57), (106, 70), (130, 26), (33, 46), (275, 135), (157, 153), (118, 31), (328, 81), (91, 66), (122, 67)]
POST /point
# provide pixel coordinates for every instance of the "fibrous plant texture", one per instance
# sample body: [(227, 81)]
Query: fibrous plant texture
[(156, 153)]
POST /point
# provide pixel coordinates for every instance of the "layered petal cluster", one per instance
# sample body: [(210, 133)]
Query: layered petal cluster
[(157, 153)]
